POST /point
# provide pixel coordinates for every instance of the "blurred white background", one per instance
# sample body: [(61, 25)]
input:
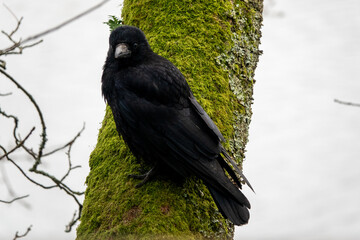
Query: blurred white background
[(304, 149)]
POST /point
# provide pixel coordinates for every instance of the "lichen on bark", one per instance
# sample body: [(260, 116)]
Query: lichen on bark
[(240, 62), (215, 45)]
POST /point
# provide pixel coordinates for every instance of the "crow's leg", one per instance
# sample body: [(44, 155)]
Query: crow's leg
[(145, 177)]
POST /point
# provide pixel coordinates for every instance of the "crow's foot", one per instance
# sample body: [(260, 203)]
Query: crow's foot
[(145, 177)]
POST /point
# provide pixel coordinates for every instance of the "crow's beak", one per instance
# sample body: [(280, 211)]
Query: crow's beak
[(122, 51)]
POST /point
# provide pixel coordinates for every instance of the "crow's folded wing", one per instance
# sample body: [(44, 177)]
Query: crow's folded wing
[(168, 124)]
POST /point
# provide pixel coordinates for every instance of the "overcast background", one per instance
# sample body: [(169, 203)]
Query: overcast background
[(304, 149)]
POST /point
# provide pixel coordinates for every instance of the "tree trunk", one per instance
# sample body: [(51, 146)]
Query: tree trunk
[(215, 45)]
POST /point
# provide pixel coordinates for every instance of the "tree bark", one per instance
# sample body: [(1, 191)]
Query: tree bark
[(215, 45)]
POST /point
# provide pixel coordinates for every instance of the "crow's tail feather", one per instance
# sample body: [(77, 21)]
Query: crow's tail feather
[(230, 207), (227, 156)]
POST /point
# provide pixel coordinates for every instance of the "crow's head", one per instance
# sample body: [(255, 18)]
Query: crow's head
[(128, 44)]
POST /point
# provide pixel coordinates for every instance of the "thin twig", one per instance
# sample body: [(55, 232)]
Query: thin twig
[(73, 221), (20, 144), (21, 48), (15, 199), (68, 153), (17, 48), (347, 103), (42, 121), (39, 35), (23, 172), (2, 63), (37, 156), (20, 44), (9, 187), (17, 236), (11, 12), (16, 121), (13, 31), (16, 44), (67, 144)]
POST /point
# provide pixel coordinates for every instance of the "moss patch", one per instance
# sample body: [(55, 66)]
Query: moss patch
[(208, 41)]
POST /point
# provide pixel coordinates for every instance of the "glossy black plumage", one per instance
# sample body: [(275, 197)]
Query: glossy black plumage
[(161, 121)]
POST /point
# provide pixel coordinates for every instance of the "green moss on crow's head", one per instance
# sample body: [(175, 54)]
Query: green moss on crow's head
[(214, 44)]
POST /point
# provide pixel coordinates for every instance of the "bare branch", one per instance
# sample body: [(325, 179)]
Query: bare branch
[(9, 187), (72, 221), (13, 31), (15, 199), (23, 172), (20, 43), (347, 103), (67, 144), (17, 236), (20, 144), (11, 12), (42, 121), (16, 121), (2, 63), (64, 23), (16, 44), (38, 154), (5, 94), (21, 48)]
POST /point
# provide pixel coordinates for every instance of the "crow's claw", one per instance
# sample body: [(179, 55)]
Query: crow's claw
[(145, 177)]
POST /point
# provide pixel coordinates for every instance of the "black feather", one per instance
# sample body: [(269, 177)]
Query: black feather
[(161, 121)]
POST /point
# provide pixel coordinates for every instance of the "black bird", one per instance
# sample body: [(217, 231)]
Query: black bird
[(162, 123)]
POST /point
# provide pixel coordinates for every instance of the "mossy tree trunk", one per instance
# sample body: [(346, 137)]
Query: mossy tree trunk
[(215, 45)]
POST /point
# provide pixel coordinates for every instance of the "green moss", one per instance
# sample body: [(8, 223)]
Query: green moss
[(214, 44)]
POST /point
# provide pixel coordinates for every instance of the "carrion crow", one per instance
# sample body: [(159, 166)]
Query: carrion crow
[(160, 120)]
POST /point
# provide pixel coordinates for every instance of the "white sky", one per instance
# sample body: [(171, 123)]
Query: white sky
[(304, 150)]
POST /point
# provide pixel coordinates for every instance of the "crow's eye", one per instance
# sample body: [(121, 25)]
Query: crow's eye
[(135, 45)]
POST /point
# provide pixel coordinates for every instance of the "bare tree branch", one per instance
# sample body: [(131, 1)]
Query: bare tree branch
[(42, 121), (9, 187), (2, 64), (347, 103), (13, 31), (16, 44), (40, 152), (67, 144), (5, 94), (58, 183), (20, 43), (64, 23), (16, 121), (17, 236), (14, 199), (11, 12), (23, 172), (72, 222), (20, 144)]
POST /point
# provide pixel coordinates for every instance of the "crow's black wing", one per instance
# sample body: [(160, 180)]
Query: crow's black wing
[(161, 121), (154, 101), (205, 117), (158, 117)]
